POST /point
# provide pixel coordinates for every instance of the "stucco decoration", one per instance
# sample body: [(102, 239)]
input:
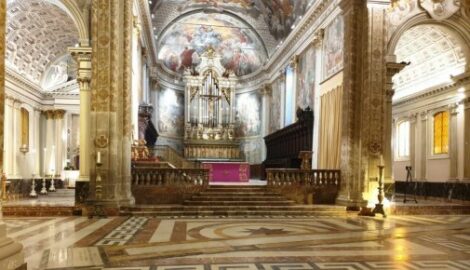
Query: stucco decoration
[(62, 70), (434, 54), (38, 32), (440, 9)]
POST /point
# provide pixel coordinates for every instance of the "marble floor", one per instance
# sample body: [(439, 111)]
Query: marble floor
[(349, 242)]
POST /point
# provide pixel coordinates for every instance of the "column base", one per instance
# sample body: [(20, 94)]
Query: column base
[(81, 191), (11, 253), (351, 204)]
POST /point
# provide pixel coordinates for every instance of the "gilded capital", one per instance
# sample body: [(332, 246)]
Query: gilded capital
[(49, 114), (318, 38), (59, 114)]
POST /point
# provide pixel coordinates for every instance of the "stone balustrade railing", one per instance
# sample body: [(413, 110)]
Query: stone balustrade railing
[(152, 176), (309, 178)]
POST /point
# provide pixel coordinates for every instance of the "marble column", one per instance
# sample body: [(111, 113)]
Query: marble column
[(392, 68), (466, 159), (16, 139), (37, 143), (49, 149), (11, 253), (111, 123), (59, 142), (82, 56), (317, 44), (453, 143), (353, 162), (423, 146), (266, 92), (412, 145), (7, 152)]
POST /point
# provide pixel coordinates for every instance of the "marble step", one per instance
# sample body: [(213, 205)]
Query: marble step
[(216, 199), (163, 208), (236, 213), (239, 193), (193, 202)]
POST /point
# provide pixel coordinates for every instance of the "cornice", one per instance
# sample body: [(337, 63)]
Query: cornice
[(426, 94), (307, 26), (16, 78), (149, 41)]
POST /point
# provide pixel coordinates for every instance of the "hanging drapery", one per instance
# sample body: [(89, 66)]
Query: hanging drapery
[(330, 129)]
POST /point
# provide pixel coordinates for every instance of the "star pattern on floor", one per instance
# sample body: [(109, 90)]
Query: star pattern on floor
[(266, 231)]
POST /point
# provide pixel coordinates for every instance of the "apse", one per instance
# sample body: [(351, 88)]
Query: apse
[(184, 42)]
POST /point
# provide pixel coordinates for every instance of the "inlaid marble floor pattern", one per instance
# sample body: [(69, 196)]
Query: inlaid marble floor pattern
[(135, 243)]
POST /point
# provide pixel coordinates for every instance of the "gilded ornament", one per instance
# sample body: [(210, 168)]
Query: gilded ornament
[(102, 141)]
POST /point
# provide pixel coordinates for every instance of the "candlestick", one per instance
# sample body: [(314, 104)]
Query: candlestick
[(379, 207), (381, 160), (98, 157), (44, 161)]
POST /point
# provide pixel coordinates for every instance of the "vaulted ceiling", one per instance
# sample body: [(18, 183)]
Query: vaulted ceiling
[(252, 27), (434, 53), (38, 33)]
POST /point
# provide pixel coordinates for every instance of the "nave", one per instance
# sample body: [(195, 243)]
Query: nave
[(348, 242)]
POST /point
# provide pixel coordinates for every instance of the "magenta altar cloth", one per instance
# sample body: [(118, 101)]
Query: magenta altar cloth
[(228, 171)]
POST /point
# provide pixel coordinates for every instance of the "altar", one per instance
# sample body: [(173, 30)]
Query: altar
[(228, 171)]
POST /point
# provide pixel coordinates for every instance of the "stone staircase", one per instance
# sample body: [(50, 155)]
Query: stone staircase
[(235, 201)]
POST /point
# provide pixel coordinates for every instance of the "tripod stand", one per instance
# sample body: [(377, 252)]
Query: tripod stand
[(409, 180)]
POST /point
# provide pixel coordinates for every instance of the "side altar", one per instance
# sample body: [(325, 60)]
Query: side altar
[(210, 112)]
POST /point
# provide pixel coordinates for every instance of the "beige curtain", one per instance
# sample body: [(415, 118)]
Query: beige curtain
[(330, 129)]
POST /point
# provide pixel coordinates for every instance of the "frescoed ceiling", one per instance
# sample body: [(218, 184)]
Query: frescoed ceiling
[(271, 20), (38, 33), (183, 43), (434, 54)]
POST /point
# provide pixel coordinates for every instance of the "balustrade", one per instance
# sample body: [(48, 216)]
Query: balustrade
[(308, 178), (151, 176)]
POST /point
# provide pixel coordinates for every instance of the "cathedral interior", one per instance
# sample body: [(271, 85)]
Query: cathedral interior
[(234, 134)]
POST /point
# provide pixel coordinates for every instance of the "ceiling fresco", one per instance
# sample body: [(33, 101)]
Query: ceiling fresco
[(279, 15), (183, 43)]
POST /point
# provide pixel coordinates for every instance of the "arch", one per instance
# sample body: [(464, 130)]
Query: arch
[(455, 25), (72, 9)]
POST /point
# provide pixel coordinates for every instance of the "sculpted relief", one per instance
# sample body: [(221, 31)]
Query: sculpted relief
[(440, 9)]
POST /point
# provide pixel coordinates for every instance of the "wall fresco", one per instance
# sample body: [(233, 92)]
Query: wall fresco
[(333, 47), (275, 106), (248, 114), (170, 113), (306, 79)]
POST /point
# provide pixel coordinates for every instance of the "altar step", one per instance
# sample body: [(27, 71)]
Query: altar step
[(293, 211), (235, 201)]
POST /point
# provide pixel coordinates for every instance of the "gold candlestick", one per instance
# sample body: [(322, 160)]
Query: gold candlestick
[(379, 207), (98, 204)]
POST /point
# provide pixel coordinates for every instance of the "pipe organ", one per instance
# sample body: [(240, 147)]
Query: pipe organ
[(210, 110)]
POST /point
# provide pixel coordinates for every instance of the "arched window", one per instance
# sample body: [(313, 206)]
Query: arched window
[(403, 139), (24, 127), (441, 133)]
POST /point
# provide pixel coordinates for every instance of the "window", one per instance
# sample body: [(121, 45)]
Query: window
[(403, 139), (441, 133), (289, 97)]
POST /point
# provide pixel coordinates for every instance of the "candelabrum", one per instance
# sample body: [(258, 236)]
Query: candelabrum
[(43, 189), (98, 207), (52, 187), (33, 187), (4, 187), (379, 207)]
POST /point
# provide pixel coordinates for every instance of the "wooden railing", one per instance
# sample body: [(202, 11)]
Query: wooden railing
[(310, 178), (151, 176), (172, 156)]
